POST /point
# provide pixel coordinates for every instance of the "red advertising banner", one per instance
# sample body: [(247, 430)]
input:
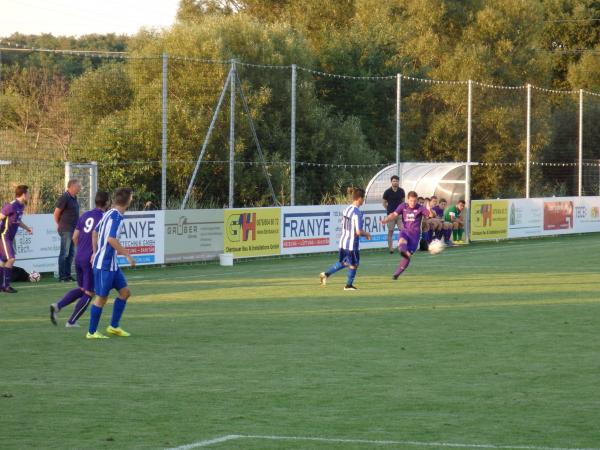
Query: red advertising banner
[(558, 215)]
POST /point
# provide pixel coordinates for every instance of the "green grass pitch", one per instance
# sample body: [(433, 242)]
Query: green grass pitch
[(490, 344)]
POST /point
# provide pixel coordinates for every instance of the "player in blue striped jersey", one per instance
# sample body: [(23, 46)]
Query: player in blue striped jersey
[(107, 274), (352, 230)]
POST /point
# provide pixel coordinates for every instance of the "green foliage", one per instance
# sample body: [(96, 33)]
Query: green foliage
[(109, 110)]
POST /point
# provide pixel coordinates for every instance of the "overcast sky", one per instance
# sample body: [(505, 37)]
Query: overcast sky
[(77, 17)]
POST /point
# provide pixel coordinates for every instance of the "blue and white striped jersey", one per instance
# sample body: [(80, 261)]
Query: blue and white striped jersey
[(352, 223), (106, 255)]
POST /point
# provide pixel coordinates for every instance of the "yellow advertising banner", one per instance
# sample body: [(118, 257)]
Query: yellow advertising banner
[(252, 231), (489, 219)]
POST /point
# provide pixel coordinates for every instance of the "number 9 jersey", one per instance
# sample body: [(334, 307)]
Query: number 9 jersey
[(86, 225)]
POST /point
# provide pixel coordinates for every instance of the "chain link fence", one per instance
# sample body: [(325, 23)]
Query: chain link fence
[(131, 113)]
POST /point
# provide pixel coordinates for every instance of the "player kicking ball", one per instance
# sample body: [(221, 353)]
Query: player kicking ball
[(107, 274), (412, 215), (82, 238), (352, 230)]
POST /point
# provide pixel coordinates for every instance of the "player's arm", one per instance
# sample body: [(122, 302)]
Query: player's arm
[(26, 228), (57, 213), (358, 225), (94, 245), (389, 218), (114, 243)]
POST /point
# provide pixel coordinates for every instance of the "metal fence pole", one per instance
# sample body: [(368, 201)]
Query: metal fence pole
[(398, 110), (232, 134), (468, 168), (293, 140), (580, 174), (163, 191), (528, 150)]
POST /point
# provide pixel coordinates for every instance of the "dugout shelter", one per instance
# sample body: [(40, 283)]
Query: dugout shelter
[(445, 180)]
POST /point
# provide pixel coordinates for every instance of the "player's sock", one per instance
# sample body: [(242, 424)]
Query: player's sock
[(335, 268), (429, 236), (80, 308), (2, 278), (404, 262), (118, 308), (95, 313), (455, 235), (447, 234), (460, 234), (69, 298), (7, 276), (439, 234), (351, 275)]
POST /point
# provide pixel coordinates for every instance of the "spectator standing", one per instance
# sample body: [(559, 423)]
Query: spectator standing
[(392, 198), (66, 215)]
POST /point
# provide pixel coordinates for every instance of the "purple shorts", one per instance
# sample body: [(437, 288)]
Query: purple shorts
[(85, 275), (412, 242), (7, 250)]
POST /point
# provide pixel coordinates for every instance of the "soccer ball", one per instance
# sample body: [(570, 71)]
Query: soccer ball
[(436, 246), (34, 277)]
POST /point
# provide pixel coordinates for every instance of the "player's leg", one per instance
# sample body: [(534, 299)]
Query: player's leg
[(7, 255), (334, 268), (353, 263), (85, 280), (460, 230), (120, 284), (407, 246), (103, 281), (69, 297)]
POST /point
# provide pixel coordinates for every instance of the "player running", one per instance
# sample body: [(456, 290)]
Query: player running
[(10, 222), (352, 230), (82, 238), (107, 274), (412, 216)]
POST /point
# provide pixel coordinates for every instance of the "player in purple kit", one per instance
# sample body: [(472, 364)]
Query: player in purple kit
[(412, 216), (10, 221), (82, 238)]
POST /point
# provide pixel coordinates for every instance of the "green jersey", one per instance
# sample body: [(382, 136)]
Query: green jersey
[(450, 213)]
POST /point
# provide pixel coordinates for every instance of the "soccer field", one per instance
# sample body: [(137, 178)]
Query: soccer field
[(483, 346)]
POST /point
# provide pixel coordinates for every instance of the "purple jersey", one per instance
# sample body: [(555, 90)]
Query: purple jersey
[(412, 217), (439, 212), (86, 225), (13, 213)]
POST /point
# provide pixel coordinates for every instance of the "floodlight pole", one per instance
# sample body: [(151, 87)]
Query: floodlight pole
[(468, 168), (293, 140), (528, 150), (398, 110), (163, 196), (232, 134), (580, 174)]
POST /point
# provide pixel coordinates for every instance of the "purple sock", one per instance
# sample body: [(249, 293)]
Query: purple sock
[(80, 308), (447, 234), (428, 236), (2, 278), (404, 262), (69, 298), (7, 276)]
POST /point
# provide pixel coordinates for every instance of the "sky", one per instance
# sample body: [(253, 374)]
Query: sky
[(77, 17)]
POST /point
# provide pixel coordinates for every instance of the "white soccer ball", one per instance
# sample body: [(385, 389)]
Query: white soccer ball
[(34, 277), (436, 246)]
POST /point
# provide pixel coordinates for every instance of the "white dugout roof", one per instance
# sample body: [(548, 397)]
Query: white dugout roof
[(444, 180)]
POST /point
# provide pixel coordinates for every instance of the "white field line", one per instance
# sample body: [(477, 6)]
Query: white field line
[(372, 442), (229, 437)]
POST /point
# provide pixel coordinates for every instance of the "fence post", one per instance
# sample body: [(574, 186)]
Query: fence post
[(232, 134), (528, 150), (398, 110), (468, 168), (163, 187), (580, 174), (293, 140)]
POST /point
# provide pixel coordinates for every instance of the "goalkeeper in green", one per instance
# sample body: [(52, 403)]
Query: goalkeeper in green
[(453, 214)]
